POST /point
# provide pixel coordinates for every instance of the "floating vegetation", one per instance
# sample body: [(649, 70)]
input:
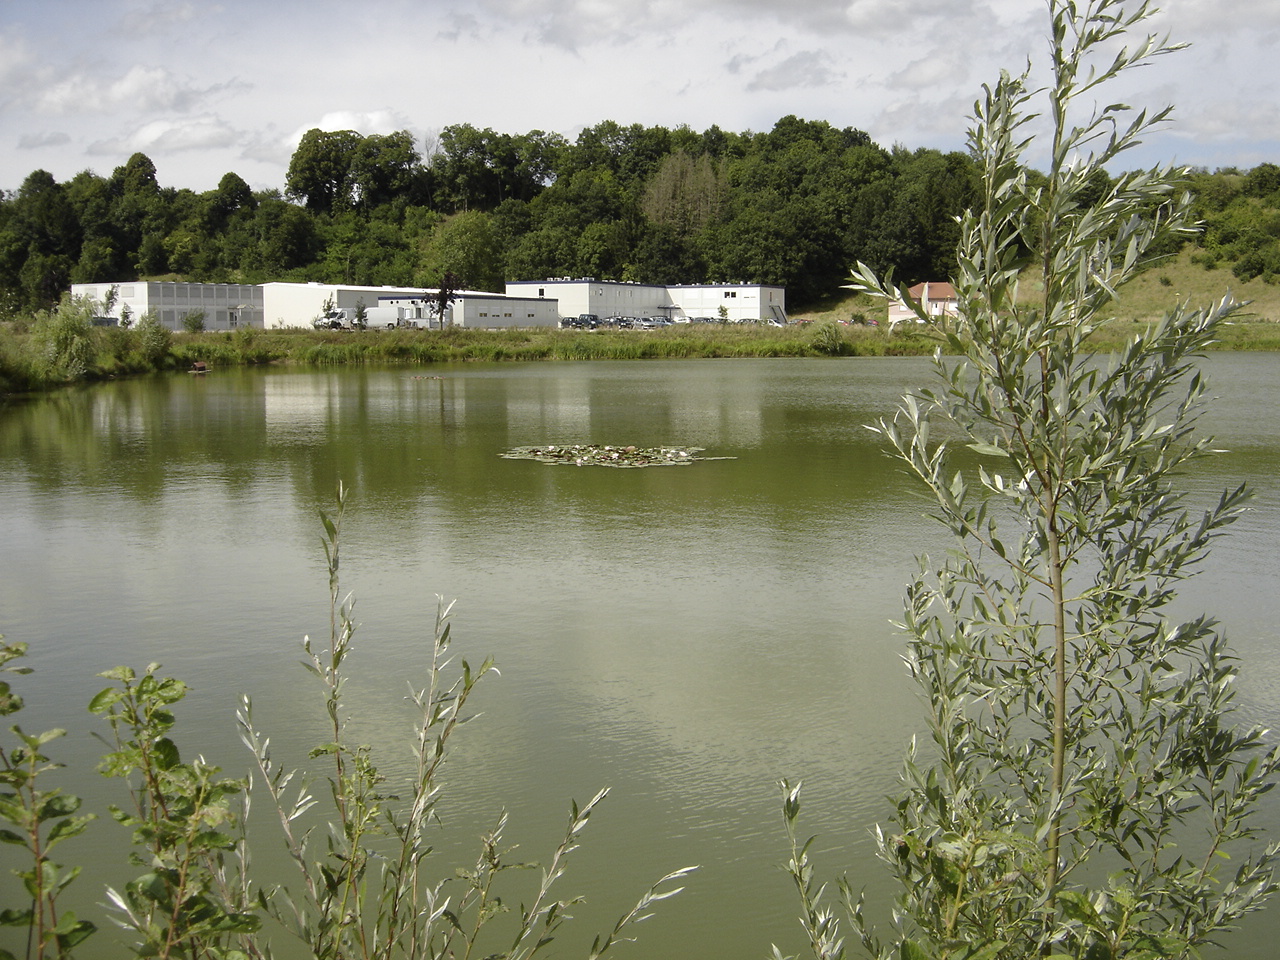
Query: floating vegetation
[(593, 454)]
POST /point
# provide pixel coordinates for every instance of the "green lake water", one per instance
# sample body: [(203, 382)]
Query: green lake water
[(684, 635)]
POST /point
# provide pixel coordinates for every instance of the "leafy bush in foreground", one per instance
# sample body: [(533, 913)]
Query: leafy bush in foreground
[(1084, 783), (367, 886)]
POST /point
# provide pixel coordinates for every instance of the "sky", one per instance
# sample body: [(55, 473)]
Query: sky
[(204, 88)]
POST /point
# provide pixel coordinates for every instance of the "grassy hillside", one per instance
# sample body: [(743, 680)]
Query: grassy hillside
[(1178, 278), (1146, 298)]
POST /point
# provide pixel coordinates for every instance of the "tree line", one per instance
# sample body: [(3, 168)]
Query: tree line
[(794, 206)]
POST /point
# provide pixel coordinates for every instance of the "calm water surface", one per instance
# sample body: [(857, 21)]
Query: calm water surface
[(686, 636)]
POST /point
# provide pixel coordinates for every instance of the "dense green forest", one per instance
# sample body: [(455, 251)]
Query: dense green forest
[(795, 206)]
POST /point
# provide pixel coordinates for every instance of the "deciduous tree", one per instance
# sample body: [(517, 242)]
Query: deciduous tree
[(319, 170), (1084, 778)]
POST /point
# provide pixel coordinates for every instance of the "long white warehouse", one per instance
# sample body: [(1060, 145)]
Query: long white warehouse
[(274, 306), (612, 298), (527, 303)]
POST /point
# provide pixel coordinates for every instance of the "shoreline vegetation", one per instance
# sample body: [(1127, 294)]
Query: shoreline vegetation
[(34, 355)]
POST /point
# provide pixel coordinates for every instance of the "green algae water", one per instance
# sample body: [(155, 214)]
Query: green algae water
[(685, 637)]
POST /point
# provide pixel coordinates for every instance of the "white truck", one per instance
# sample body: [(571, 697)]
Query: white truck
[(376, 318)]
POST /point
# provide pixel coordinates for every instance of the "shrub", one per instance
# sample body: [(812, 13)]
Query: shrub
[(829, 339), (62, 339), (154, 340)]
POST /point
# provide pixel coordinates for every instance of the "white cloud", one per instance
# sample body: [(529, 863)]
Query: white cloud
[(940, 70), (38, 141), (1225, 121), (581, 21), (15, 57), (576, 22), (256, 76), (270, 148), (152, 18), (139, 90), (810, 68), (18, 70), (461, 26), (901, 17), (1192, 19), (171, 136)]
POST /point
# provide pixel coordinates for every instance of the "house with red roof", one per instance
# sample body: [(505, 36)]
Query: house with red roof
[(936, 298)]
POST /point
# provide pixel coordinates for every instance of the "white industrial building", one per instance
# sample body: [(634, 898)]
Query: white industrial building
[(222, 306), (298, 304), (481, 310), (228, 306), (611, 298), (301, 304), (527, 303)]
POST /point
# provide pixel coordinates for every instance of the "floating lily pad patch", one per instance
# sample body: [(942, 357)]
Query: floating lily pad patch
[(595, 455)]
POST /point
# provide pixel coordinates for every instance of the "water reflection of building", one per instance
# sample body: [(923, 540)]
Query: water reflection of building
[(298, 409), (545, 410)]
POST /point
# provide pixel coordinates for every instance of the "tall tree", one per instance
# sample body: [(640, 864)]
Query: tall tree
[(320, 168), (382, 168), (138, 213), (40, 242), (231, 197), (479, 169), (465, 247)]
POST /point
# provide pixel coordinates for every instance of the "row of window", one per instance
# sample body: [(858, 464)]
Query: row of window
[(181, 291), (215, 292)]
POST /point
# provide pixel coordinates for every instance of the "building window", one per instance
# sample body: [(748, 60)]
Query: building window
[(542, 292), (730, 293)]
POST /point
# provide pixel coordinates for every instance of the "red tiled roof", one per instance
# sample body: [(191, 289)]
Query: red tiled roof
[(937, 290)]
